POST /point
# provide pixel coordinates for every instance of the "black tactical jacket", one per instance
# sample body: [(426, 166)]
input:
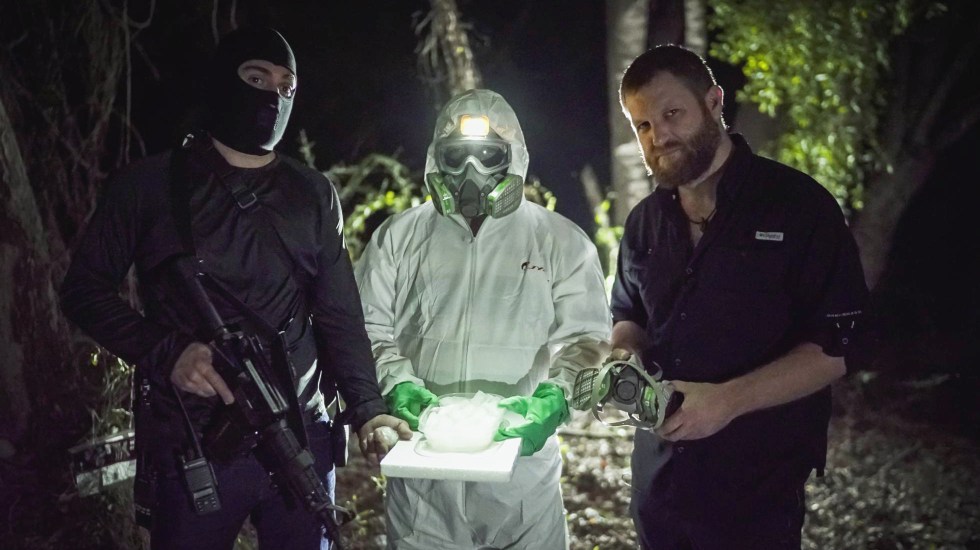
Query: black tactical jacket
[(283, 256)]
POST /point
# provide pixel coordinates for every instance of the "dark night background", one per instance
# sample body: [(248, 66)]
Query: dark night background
[(359, 89)]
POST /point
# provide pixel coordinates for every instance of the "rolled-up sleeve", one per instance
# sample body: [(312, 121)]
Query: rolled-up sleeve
[(832, 293)]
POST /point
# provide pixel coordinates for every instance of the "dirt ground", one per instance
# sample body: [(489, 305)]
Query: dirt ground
[(903, 473), (896, 479)]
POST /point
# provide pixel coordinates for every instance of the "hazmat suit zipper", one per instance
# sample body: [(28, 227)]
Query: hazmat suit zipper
[(467, 318)]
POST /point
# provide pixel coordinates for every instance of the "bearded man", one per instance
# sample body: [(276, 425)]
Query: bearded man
[(739, 281)]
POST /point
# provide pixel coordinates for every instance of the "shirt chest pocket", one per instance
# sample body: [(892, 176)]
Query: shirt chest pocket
[(656, 278), (751, 269)]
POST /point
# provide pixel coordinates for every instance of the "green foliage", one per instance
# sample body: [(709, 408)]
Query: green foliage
[(370, 191), (108, 382), (821, 66), (535, 192)]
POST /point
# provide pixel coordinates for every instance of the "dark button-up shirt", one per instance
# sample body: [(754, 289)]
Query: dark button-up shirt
[(776, 267)]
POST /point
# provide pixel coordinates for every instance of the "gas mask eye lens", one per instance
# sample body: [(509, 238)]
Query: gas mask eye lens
[(491, 156), (453, 156), (487, 158)]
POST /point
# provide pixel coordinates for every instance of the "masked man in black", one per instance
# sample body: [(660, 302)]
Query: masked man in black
[(268, 230)]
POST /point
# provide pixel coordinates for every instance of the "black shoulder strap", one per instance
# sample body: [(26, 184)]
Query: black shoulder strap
[(180, 194), (180, 190)]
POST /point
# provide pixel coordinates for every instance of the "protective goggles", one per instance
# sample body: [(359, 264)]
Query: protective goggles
[(487, 156)]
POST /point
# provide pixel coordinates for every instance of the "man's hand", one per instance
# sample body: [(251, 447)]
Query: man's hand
[(543, 411), (704, 412), (373, 440), (407, 400), (194, 373)]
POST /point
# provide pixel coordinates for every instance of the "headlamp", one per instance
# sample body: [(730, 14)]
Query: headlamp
[(474, 126)]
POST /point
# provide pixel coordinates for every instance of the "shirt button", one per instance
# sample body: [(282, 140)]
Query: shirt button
[(683, 317), (689, 271), (677, 361), (680, 449)]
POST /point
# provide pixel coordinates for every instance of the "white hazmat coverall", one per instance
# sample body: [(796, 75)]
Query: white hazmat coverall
[(519, 303)]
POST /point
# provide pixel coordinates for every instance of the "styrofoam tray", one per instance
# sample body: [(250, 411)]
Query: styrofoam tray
[(412, 459)]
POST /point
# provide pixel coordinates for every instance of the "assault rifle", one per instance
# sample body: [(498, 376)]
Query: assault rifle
[(258, 419)]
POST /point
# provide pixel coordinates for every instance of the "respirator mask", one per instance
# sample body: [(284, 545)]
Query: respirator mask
[(626, 386), (471, 177)]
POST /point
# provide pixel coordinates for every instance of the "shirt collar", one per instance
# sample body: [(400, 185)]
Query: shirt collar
[(735, 170)]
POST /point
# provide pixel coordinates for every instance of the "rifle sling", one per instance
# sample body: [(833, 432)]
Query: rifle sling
[(247, 201)]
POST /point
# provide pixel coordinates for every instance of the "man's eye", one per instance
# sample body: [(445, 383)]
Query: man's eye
[(287, 91), (671, 113), (255, 80)]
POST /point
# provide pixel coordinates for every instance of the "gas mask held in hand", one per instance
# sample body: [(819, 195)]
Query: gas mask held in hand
[(471, 177), (626, 386)]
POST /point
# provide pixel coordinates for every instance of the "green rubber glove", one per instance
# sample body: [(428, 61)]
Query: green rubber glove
[(407, 400), (543, 411)]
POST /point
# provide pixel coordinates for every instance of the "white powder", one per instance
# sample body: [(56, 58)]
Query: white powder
[(462, 423)]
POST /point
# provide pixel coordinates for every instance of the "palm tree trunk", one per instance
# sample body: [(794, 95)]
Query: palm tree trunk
[(695, 26), (627, 26), (445, 56)]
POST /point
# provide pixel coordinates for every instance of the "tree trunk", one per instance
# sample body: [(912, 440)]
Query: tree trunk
[(32, 332), (932, 105), (54, 125), (695, 26), (884, 209), (626, 38), (444, 53)]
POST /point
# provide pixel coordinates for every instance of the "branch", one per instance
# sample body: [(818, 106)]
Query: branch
[(940, 95), (951, 133)]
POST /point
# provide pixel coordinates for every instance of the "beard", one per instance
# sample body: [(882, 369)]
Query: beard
[(691, 157)]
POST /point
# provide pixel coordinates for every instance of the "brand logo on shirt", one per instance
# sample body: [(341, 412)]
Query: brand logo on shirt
[(769, 236), (526, 266)]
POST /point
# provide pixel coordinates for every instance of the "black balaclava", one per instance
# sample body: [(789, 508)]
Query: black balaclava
[(239, 115)]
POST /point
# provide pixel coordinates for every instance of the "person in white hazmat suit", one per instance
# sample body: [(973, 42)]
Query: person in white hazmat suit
[(481, 290)]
